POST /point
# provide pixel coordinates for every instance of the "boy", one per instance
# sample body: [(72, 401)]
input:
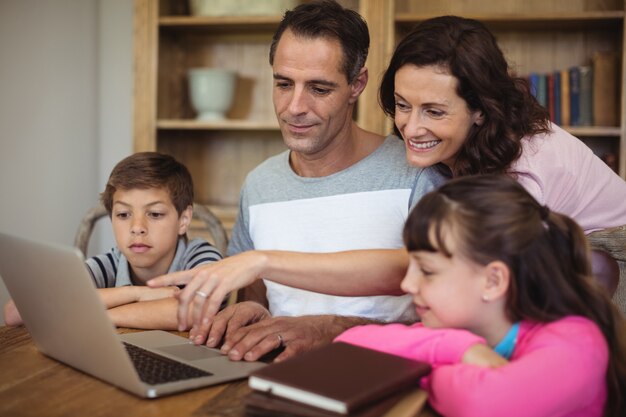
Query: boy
[(149, 198)]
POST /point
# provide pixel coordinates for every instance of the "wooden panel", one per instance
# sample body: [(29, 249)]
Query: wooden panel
[(220, 160), (379, 15), (463, 7), (145, 57)]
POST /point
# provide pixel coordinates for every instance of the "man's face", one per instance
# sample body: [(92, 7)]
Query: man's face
[(312, 98)]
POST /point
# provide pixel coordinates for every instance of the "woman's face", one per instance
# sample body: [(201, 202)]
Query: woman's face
[(433, 120)]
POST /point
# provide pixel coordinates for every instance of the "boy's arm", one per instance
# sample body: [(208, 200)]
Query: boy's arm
[(113, 298), (118, 296), (153, 314)]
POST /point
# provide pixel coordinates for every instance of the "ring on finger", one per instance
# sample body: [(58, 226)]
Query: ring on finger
[(201, 294), (280, 339)]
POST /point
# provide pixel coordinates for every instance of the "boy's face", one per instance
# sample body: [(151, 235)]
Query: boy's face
[(147, 227)]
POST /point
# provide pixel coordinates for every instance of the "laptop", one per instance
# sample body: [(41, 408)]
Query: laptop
[(62, 310)]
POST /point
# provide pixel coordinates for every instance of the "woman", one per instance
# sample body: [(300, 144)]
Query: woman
[(455, 104)]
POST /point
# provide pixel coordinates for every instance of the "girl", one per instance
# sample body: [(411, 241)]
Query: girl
[(512, 321)]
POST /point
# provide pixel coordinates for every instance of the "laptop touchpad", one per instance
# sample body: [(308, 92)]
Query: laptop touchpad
[(190, 352)]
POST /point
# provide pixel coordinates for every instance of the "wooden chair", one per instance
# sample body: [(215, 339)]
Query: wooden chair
[(212, 224)]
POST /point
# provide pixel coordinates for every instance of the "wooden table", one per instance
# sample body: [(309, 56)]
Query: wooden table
[(31, 384)]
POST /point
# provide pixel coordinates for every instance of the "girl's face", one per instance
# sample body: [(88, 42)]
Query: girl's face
[(433, 120), (447, 292)]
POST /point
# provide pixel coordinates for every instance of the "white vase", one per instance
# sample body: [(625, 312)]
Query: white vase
[(211, 91), (240, 7)]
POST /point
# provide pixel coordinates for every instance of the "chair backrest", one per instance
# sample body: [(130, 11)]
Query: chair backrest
[(605, 269), (201, 212)]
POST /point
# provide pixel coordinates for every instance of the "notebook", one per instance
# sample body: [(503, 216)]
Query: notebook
[(64, 315), (339, 377)]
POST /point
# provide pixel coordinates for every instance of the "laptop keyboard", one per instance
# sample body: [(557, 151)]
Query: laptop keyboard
[(155, 369)]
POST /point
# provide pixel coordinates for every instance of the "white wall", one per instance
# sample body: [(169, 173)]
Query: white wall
[(65, 111)]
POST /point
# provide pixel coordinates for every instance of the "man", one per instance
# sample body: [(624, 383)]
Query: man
[(338, 188)]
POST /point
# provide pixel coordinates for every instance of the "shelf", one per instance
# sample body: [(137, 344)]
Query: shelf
[(593, 131), (588, 20), (178, 124), (220, 23)]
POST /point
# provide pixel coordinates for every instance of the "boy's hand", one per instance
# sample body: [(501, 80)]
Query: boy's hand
[(149, 294)]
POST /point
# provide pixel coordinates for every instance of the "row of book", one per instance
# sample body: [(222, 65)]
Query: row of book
[(585, 95)]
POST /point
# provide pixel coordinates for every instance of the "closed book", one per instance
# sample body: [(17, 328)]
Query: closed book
[(542, 90), (261, 404), (585, 100), (605, 88), (550, 90), (338, 377), (538, 88), (557, 97), (565, 98), (574, 96)]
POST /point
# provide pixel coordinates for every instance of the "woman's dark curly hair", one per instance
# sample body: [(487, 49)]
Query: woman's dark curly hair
[(470, 53)]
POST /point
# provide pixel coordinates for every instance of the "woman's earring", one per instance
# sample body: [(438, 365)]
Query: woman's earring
[(485, 298)]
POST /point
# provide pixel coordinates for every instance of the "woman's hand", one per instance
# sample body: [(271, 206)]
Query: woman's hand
[(207, 285)]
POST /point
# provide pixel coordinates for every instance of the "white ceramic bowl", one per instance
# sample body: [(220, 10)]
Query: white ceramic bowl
[(211, 91), (240, 7)]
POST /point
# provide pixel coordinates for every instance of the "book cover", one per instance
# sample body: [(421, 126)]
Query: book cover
[(574, 96), (538, 88), (557, 97), (533, 82), (261, 404), (338, 377), (542, 90), (550, 91), (605, 88), (565, 99), (585, 100)]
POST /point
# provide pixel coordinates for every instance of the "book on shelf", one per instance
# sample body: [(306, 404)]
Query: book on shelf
[(605, 89), (574, 96), (585, 100), (565, 98), (538, 88), (339, 377), (550, 91), (557, 97)]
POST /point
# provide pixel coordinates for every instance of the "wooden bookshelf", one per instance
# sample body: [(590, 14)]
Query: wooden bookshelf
[(536, 35)]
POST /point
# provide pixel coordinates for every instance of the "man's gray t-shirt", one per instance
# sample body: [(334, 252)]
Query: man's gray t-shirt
[(361, 207)]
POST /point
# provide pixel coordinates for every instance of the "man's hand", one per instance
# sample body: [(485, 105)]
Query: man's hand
[(227, 322), (208, 284), (295, 334)]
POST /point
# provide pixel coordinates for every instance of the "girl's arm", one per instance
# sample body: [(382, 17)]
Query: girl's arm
[(558, 369)]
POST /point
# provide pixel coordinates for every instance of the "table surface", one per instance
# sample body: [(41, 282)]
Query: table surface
[(31, 384)]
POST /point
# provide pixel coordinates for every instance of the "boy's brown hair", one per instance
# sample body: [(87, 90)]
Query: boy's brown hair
[(145, 170)]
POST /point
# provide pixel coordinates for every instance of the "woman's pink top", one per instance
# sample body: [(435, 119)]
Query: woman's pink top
[(562, 172)]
